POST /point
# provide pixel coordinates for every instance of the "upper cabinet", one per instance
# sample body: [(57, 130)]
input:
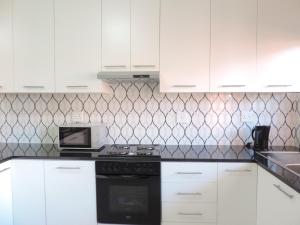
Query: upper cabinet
[(145, 35), (115, 35), (130, 35), (77, 45), (279, 45), (184, 45), (233, 45), (6, 46), (34, 45)]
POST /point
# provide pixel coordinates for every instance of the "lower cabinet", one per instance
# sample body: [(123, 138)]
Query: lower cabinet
[(278, 204), (70, 193), (6, 216), (237, 184), (28, 192)]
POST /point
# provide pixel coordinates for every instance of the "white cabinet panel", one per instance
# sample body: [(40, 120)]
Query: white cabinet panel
[(77, 45), (6, 46), (279, 45), (70, 192), (237, 184), (34, 45), (277, 203), (28, 192), (184, 45), (6, 216), (233, 46), (115, 35), (145, 35)]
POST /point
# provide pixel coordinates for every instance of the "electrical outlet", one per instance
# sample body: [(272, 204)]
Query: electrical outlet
[(246, 117), (77, 117)]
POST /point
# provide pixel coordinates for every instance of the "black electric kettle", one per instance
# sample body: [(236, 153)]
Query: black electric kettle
[(260, 135)]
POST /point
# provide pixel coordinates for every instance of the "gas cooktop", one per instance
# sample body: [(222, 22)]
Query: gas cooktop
[(116, 150)]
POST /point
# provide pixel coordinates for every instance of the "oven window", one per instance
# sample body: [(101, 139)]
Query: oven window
[(75, 137), (128, 199)]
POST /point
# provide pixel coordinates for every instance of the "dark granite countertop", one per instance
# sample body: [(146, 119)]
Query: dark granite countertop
[(181, 153)]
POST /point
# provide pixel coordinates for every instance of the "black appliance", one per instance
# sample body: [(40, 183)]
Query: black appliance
[(260, 135), (128, 185)]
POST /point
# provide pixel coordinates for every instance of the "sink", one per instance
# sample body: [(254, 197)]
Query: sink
[(294, 167)]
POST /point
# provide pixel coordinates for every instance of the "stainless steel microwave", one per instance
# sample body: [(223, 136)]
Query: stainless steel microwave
[(82, 136)]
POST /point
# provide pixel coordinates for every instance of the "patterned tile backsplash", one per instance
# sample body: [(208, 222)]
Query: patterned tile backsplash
[(138, 113)]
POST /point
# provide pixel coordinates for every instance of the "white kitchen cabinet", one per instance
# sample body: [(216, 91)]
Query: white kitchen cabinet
[(278, 45), (145, 35), (28, 192), (6, 46), (6, 216), (33, 45), (277, 203), (233, 45), (237, 184), (78, 45), (184, 45), (115, 35), (70, 192)]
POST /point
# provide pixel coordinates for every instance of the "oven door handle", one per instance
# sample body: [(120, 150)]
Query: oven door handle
[(123, 176)]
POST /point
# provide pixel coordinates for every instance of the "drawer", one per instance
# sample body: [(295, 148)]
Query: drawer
[(189, 212), (174, 223), (186, 172), (237, 169), (189, 192)]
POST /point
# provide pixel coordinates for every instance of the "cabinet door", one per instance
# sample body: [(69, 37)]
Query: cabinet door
[(237, 184), (145, 35), (77, 45), (233, 46), (34, 45), (277, 203), (6, 217), (278, 45), (6, 46), (28, 192), (184, 45), (70, 193), (115, 35)]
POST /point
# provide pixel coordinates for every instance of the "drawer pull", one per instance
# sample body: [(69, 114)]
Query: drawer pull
[(184, 86), (192, 194), (237, 171), (34, 86), (279, 85), (5, 169), (78, 86), (115, 66), (233, 86), (189, 214), (189, 173), (67, 168), (283, 191), (143, 66)]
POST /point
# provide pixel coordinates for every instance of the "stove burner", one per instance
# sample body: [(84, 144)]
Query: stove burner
[(139, 150)]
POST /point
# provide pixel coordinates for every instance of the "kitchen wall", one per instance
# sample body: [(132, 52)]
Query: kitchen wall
[(138, 113)]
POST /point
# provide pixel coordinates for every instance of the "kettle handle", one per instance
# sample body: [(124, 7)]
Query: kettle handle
[(253, 130)]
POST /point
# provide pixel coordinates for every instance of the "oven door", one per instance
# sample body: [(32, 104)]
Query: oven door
[(132, 199), (75, 137)]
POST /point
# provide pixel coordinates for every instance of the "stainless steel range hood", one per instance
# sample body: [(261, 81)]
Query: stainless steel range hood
[(128, 75)]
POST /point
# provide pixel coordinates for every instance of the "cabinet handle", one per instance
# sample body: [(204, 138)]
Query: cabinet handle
[(232, 171), (77, 86), (196, 193), (184, 86), (233, 86), (5, 169), (141, 66), (34, 86), (279, 85), (115, 66), (67, 168), (188, 173), (189, 214), (283, 191)]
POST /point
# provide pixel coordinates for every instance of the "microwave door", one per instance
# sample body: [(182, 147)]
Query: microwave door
[(75, 137)]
